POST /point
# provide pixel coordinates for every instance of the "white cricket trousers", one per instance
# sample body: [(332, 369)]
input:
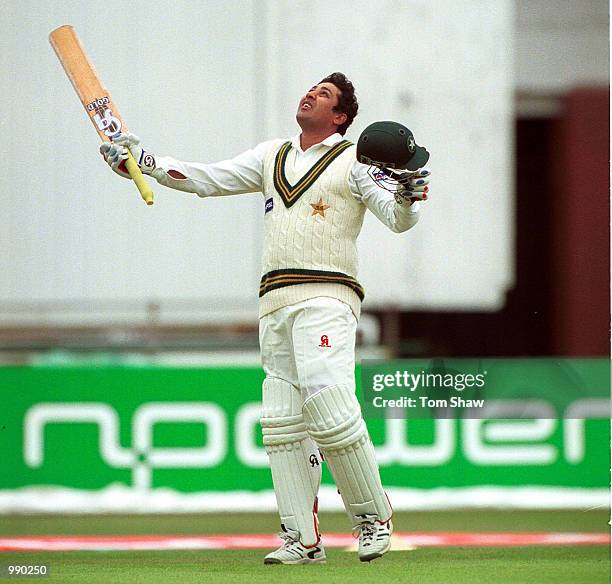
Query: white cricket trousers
[(311, 344)]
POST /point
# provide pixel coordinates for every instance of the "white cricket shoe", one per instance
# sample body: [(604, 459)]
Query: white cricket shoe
[(374, 538), (293, 552)]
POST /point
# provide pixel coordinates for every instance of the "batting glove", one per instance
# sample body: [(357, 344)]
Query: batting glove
[(115, 154), (415, 187)]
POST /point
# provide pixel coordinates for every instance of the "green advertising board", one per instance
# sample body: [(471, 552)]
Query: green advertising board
[(196, 430)]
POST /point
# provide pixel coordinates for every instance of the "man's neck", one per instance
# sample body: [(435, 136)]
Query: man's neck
[(309, 138)]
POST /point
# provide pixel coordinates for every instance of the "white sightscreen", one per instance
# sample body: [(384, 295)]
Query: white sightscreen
[(206, 80)]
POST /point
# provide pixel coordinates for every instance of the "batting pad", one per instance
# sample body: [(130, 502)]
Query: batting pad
[(333, 418), (294, 459)]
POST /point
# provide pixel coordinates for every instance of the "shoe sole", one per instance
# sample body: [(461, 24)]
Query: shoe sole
[(273, 561)]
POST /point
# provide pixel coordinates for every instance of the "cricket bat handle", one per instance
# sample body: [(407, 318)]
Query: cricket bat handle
[(143, 186)]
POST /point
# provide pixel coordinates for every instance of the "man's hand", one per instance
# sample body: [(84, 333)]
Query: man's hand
[(115, 154), (415, 186)]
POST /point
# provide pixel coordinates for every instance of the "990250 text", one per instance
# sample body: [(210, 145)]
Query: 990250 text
[(24, 570)]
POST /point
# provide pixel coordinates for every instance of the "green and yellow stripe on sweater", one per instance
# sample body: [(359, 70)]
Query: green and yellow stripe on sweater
[(291, 193), (290, 277)]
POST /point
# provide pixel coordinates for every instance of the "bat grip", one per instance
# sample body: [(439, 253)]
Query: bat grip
[(143, 186)]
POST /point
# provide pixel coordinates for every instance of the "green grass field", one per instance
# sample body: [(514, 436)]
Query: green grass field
[(533, 565)]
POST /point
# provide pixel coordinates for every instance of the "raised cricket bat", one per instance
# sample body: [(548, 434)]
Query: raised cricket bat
[(94, 97)]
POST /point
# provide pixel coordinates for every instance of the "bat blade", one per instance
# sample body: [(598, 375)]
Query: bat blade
[(95, 98)]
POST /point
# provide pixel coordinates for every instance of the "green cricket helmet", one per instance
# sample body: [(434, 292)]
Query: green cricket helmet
[(390, 145), (391, 152)]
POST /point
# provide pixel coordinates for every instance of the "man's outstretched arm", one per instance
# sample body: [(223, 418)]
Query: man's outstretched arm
[(242, 174)]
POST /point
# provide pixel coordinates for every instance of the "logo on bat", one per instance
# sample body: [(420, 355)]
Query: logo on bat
[(107, 122), (98, 103)]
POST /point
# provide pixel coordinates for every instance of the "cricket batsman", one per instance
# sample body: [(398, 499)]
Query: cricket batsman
[(315, 195)]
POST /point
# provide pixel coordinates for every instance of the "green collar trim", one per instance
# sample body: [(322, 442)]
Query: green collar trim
[(291, 193)]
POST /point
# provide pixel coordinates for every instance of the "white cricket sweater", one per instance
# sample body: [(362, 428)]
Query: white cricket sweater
[(311, 224)]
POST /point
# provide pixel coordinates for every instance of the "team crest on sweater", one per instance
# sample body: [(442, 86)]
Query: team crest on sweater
[(320, 207)]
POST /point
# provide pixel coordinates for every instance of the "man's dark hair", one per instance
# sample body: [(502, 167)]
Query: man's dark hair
[(347, 102)]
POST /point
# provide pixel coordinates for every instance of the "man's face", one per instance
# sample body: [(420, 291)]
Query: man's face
[(316, 108)]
